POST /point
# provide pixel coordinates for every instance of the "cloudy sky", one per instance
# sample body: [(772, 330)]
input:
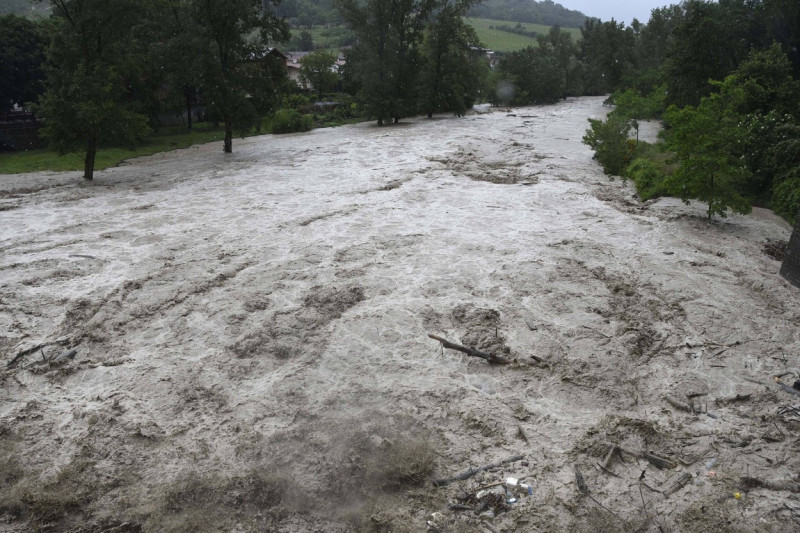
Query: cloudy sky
[(621, 10)]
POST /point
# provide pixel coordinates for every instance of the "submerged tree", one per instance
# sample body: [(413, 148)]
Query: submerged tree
[(89, 98), (240, 76)]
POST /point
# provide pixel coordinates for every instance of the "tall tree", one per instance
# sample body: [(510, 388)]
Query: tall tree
[(240, 76), (710, 41), (90, 97), (450, 67), (607, 50), (384, 62), (22, 46), (701, 138)]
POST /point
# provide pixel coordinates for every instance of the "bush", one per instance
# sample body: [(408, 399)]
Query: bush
[(786, 199), (290, 121), (649, 177), (611, 144)]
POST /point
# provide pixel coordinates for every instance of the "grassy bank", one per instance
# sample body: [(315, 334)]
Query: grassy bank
[(504, 41), (166, 139)]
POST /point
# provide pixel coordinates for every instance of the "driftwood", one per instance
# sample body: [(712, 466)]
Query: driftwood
[(678, 483), (580, 481), (655, 460), (493, 359), (784, 387), (469, 473), (752, 482), (677, 404), (25, 352)]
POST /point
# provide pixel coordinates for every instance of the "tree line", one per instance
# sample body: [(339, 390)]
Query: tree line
[(724, 78)]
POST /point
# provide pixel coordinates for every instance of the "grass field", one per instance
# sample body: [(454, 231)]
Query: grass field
[(167, 139), (503, 41)]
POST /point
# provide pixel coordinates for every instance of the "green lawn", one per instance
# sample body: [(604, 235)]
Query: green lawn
[(167, 139), (503, 41)]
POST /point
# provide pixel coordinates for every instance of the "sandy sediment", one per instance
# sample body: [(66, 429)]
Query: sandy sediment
[(252, 344)]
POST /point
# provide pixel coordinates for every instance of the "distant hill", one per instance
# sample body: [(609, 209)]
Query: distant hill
[(547, 12), (25, 8), (307, 13)]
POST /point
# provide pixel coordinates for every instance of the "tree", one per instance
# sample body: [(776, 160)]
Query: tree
[(240, 76), (710, 41), (701, 137), (543, 74), (90, 98), (384, 61), (315, 71), (22, 46), (607, 50), (450, 68)]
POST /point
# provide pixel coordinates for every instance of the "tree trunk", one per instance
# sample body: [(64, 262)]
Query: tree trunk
[(228, 137), (791, 263), (88, 163), (380, 121), (188, 92)]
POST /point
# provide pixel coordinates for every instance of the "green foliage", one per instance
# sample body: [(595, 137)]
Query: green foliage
[(700, 138), (630, 104), (89, 98), (449, 68), (291, 121), (22, 46), (241, 81), (384, 61), (649, 177), (316, 71), (608, 51), (610, 140), (541, 75)]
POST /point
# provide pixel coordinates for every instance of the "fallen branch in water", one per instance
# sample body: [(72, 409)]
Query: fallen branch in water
[(493, 359), (469, 473)]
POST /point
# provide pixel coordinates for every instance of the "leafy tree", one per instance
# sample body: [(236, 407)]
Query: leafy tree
[(700, 138), (610, 140), (316, 71), (543, 74), (608, 52), (450, 71), (240, 77), (22, 46), (712, 39), (384, 61), (90, 97)]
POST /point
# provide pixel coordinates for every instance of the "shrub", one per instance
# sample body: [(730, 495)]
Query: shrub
[(610, 141), (290, 121), (649, 177)]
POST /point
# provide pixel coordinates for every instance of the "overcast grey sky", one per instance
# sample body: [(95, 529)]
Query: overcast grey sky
[(621, 10)]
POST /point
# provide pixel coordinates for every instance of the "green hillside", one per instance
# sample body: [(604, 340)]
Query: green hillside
[(505, 41)]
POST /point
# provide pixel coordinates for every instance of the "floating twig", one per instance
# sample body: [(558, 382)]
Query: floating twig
[(493, 359)]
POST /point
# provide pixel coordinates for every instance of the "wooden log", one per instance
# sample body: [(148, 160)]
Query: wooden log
[(752, 482), (678, 483), (469, 473), (25, 352), (493, 359), (677, 404)]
